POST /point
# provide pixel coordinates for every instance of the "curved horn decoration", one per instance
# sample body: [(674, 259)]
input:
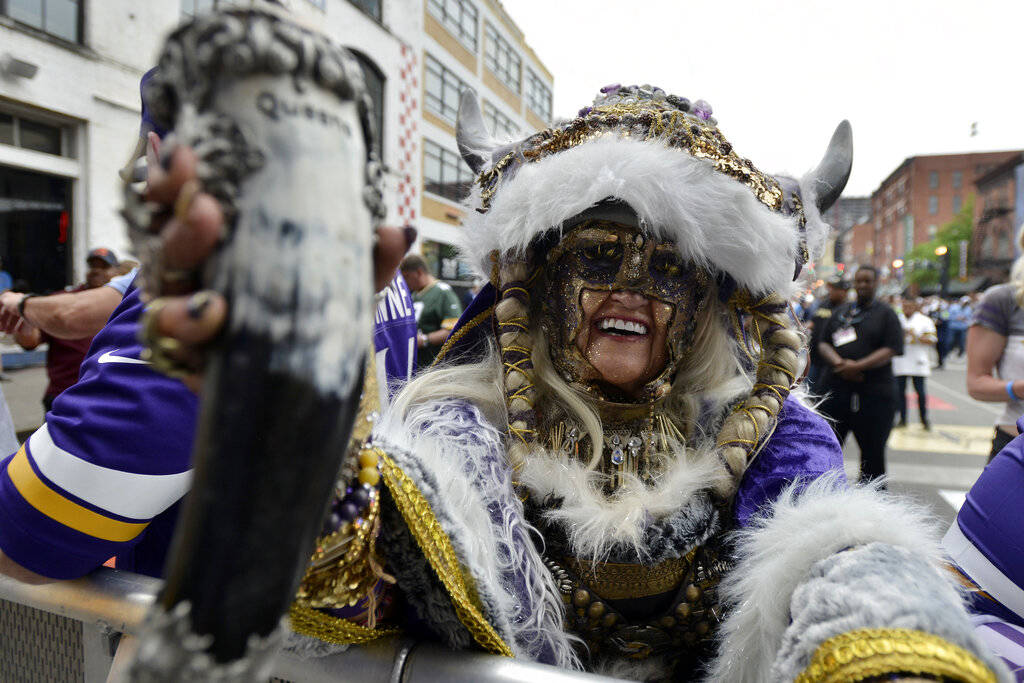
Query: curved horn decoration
[(475, 143), (830, 176)]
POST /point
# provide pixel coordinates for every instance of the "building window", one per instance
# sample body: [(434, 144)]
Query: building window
[(374, 79), (444, 261), (459, 17), (1005, 250), (368, 7), (500, 125), (933, 204), (443, 88), (986, 245), (190, 8), (538, 96), (502, 60), (958, 179), (37, 136), (444, 172), (61, 18), (933, 230), (933, 179), (957, 203)]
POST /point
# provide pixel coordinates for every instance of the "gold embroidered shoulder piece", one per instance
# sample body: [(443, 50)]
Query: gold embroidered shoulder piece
[(438, 550)]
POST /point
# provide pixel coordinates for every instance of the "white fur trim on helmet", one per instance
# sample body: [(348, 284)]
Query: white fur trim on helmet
[(716, 221)]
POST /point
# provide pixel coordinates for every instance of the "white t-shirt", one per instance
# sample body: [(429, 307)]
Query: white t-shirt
[(916, 360), (122, 282)]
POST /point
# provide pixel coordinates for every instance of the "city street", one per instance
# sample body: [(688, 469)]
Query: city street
[(938, 467)]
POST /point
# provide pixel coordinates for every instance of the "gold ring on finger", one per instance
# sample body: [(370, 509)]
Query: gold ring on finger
[(189, 189)]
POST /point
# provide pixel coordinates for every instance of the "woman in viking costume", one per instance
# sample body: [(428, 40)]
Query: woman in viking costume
[(605, 469)]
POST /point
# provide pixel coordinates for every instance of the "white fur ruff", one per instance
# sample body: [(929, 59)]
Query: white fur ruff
[(593, 521), (489, 551), (778, 550), (715, 220)]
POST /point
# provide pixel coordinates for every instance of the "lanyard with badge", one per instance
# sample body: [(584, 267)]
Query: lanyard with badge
[(847, 333)]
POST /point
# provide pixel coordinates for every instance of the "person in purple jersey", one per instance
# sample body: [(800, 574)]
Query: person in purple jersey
[(394, 333), (986, 543), (102, 477)]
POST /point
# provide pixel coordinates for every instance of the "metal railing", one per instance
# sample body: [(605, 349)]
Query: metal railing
[(108, 603)]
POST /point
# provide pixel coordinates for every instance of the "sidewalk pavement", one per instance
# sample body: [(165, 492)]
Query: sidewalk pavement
[(24, 394)]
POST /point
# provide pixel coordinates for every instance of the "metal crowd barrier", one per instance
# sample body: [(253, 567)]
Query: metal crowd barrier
[(71, 631)]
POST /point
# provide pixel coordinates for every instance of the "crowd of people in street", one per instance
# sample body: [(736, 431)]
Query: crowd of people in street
[(864, 352)]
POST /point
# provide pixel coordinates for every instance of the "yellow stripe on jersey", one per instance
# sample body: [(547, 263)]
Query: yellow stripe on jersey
[(449, 323), (67, 512)]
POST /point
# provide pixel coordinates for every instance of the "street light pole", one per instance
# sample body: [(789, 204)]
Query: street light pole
[(943, 253)]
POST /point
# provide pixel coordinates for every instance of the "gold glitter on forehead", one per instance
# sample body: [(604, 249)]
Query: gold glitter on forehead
[(644, 120)]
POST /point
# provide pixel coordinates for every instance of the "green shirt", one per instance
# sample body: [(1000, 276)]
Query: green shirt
[(437, 307)]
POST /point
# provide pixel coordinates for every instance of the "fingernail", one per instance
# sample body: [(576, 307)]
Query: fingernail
[(166, 155), (197, 304), (410, 235)]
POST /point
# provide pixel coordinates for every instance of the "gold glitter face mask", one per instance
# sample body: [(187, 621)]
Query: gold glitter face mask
[(600, 255)]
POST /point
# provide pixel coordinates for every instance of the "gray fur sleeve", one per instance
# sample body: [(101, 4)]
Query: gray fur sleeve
[(873, 586), (828, 559)]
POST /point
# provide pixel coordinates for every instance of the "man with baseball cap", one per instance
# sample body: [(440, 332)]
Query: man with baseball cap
[(837, 293), (64, 355)]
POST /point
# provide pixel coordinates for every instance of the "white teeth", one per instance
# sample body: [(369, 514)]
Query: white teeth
[(622, 325)]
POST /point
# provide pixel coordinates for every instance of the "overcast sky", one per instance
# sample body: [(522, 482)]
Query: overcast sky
[(910, 75)]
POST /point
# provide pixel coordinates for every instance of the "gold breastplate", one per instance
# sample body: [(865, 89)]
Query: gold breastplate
[(684, 629)]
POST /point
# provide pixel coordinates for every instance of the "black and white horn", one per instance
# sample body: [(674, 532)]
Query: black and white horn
[(829, 179), (282, 127), (475, 143)]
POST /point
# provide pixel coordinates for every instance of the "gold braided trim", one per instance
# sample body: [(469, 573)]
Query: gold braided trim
[(438, 550), (869, 652), (333, 630), (460, 333)]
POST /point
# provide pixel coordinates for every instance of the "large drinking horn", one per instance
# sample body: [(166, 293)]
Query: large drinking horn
[(280, 122)]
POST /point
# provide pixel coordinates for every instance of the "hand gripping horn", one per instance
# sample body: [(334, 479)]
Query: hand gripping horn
[(280, 122)]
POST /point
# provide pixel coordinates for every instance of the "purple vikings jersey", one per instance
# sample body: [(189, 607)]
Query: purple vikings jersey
[(394, 335), (102, 477), (987, 544)]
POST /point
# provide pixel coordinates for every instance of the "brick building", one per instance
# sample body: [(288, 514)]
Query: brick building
[(842, 216), (858, 244), (996, 221), (921, 195)]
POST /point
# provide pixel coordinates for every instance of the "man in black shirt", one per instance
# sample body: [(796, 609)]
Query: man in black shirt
[(857, 344)]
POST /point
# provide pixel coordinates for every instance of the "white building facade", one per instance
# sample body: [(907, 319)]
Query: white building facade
[(70, 111)]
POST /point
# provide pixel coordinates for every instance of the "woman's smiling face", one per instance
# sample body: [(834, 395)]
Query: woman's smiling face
[(623, 335), (615, 297)]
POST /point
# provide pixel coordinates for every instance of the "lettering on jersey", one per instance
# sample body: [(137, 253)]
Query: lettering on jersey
[(394, 305)]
